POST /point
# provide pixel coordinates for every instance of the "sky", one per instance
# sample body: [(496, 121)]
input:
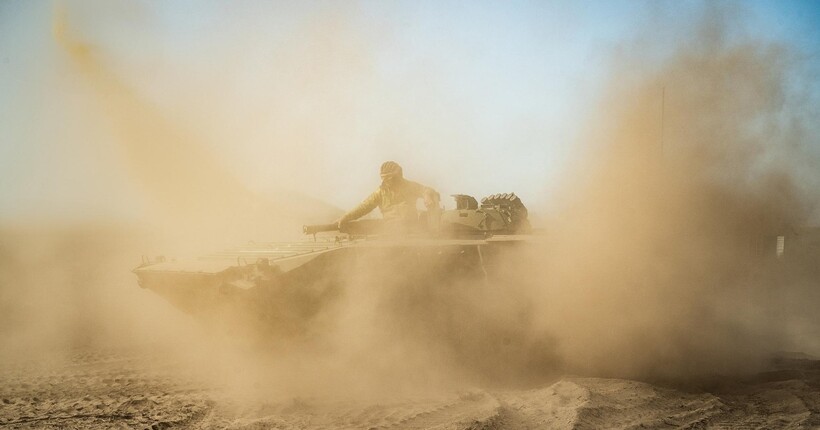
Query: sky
[(470, 97)]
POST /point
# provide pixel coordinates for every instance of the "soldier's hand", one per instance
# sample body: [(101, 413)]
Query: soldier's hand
[(431, 201)]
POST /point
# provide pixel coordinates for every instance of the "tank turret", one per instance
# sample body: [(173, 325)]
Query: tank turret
[(497, 214)]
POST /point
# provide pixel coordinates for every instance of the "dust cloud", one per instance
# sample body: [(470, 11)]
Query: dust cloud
[(66, 284), (654, 265), (190, 190), (661, 264)]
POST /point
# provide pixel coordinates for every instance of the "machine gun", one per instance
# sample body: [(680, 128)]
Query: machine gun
[(362, 227)]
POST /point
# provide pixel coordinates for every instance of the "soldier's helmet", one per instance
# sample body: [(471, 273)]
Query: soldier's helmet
[(390, 169)]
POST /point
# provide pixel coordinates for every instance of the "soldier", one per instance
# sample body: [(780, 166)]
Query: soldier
[(396, 198)]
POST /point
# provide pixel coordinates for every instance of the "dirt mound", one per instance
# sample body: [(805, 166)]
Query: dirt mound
[(134, 389)]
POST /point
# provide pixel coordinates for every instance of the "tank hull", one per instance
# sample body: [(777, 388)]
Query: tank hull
[(282, 288)]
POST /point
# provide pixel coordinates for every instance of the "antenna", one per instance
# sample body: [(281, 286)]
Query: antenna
[(663, 109)]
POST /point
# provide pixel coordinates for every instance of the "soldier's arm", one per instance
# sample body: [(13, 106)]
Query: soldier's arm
[(364, 208), (430, 196)]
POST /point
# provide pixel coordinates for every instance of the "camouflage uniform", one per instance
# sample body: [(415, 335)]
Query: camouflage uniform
[(397, 202)]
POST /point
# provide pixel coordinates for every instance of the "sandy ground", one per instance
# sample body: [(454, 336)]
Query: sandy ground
[(121, 388), (91, 299)]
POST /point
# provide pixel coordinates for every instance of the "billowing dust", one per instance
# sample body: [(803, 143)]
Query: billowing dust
[(650, 267), (661, 262)]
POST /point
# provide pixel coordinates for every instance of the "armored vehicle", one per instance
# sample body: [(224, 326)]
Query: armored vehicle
[(283, 286)]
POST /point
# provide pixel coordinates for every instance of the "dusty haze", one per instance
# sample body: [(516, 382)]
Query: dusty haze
[(655, 269), (649, 266)]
